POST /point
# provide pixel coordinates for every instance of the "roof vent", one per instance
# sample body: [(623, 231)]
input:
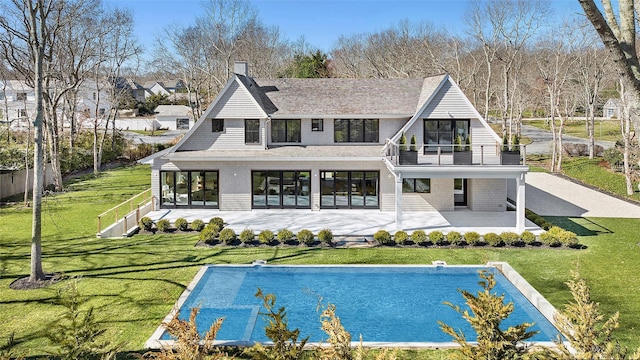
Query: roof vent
[(241, 68)]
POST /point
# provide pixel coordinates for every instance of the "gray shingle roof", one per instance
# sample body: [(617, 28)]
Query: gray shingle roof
[(341, 96)]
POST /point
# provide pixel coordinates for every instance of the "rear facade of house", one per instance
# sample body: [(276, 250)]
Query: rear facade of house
[(315, 144)]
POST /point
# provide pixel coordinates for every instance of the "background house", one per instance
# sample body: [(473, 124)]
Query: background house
[(611, 109)]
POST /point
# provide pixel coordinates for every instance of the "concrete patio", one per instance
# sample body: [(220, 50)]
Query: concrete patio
[(353, 222)]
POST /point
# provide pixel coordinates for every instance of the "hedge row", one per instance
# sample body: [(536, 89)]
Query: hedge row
[(215, 232), (555, 237)]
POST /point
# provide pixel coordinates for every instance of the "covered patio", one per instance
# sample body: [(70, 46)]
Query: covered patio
[(353, 222)]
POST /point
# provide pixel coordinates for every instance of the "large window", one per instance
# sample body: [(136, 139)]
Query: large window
[(285, 130), (349, 189), (355, 130), (444, 132), (281, 189), (252, 131), (194, 189), (21, 96), (416, 185)]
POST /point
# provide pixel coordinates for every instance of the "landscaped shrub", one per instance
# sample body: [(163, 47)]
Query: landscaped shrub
[(218, 221), (181, 224), (436, 237), (549, 239), (146, 223), (247, 236), (383, 237), (325, 236), (419, 237), (401, 237), (209, 233), (227, 235), (285, 235), (306, 237), (454, 238), (197, 225), (537, 219), (493, 239), (528, 237), (265, 237), (568, 238), (510, 238), (163, 225), (472, 238)]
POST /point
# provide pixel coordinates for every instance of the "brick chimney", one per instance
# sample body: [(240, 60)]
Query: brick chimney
[(241, 68)]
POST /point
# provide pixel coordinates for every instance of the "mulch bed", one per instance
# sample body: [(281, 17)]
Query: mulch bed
[(24, 283)]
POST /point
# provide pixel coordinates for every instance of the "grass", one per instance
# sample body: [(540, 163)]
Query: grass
[(149, 132), (608, 130), (133, 283), (590, 172)]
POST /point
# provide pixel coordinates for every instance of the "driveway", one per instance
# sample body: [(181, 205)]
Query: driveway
[(551, 195), (542, 139)]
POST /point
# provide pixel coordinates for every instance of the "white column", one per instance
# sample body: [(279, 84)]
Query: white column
[(398, 201), (520, 203)]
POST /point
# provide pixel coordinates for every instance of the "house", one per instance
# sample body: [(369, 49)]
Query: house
[(316, 144), (174, 117), (611, 109), (128, 85)]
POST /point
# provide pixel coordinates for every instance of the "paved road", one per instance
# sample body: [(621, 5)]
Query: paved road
[(551, 195), (542, 140)]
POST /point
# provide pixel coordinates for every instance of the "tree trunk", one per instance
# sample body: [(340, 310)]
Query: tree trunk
[(37, 46)]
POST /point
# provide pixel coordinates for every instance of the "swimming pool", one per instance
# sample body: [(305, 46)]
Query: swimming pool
[(385, 304)]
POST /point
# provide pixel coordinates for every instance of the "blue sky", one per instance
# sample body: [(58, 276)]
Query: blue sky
[(321, 22)]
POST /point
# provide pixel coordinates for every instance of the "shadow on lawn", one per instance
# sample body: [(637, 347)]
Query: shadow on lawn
[(579, 225)]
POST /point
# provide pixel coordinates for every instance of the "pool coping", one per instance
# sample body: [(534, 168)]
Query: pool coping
[(530, 293)]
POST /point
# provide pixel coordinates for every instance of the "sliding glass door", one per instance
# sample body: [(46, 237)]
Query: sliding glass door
[(281, 189)]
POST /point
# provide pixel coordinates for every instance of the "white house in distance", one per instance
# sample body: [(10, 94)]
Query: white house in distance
[(611, 109), (174, 117), (315, 144)]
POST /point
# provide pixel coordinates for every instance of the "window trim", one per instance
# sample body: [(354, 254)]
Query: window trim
[(413, 180), (352, 122), (319, 124), (217, 125), (253, 133), (281, 188), (350, 189), (287, 124), (430, 148)]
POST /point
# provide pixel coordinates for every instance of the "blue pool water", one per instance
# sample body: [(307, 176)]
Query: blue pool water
[(384, 304)]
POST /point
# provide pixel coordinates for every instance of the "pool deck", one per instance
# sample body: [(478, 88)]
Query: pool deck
[(353, 222)]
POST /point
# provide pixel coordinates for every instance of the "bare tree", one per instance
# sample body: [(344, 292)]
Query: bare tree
[(554, 66), (26, 28), (627, 112)]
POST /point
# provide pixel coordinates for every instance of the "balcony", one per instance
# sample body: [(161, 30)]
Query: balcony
[(467, 155)]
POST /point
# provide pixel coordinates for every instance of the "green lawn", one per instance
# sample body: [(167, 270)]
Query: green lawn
[(608, 130), (133, 283)]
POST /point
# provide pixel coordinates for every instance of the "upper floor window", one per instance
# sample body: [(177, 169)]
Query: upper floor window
[(252, 131), (21, 96), (285, 130), (217, 125), (102, 111), (444, 132), (355, 130), (317, 125), (94, 96)]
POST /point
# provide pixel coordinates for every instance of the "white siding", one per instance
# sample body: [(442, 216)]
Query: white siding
[(236, 103), (482, 136), (440, 198), (387, 128), (448, 103), (232, 138), (487, 194)]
